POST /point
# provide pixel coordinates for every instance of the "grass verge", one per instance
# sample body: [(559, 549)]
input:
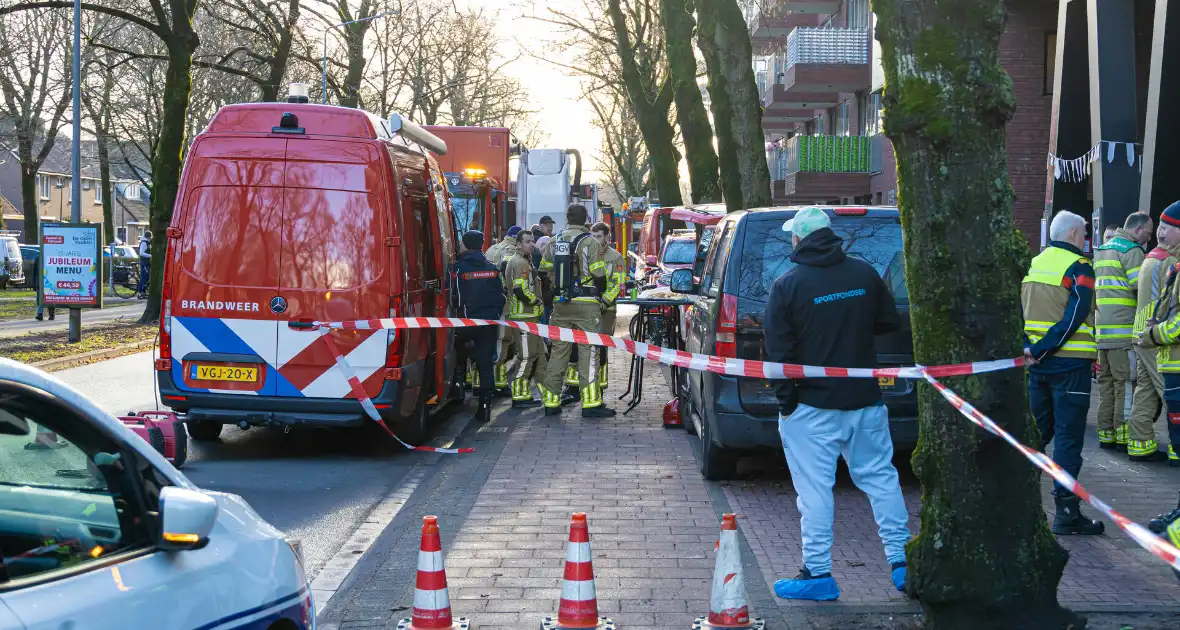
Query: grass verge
[(19, 293), (17, 309), (52, 344)]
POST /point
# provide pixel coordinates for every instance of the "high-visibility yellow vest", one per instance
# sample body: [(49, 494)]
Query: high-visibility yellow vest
[(1167, 331), (519, 275), (1045, 292), (1116, 269)]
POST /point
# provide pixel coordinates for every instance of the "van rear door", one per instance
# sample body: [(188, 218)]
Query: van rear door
[(223, 332), (334, 264)]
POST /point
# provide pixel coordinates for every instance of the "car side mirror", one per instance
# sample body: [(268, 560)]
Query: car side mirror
[(186, 518), (681, 281)]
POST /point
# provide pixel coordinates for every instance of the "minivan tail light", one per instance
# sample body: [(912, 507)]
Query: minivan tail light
[(852, 212), (393, 351), (726, 345), (166, 328)]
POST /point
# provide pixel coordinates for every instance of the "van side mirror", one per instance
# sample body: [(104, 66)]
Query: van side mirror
[(681, 281)]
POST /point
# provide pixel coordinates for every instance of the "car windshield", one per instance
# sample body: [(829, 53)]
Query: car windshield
[(468, 215), (13, 248), (680, 252), (766, 254)]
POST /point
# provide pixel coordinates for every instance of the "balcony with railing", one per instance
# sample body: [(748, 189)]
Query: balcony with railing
[(826, 60), (823, 168)]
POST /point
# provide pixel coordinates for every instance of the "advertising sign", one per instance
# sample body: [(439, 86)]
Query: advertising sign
[(71, 260)]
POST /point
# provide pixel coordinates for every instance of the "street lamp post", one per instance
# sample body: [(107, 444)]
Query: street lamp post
[(75, 334), (324, 63)]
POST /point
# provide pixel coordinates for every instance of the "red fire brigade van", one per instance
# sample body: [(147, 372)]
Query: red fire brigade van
[(290, 213)]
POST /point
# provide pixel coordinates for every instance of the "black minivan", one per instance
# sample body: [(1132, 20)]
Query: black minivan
[(743, 256)]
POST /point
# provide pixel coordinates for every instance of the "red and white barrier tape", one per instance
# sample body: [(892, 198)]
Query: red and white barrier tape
[(358, 390), (679, 358), (756, 369), (1159, 547)]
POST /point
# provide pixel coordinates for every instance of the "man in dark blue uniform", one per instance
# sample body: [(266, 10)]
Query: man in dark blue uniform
[(478, 293)]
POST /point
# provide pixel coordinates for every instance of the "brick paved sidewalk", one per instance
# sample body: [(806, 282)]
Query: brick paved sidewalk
[(652, 523), (1107, 572)]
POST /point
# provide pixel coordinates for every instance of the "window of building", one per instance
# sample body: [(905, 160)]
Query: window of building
[(132, 192), (43, 186), (97, 194), (85, 184), (844, 126), (819, 125), (1050, 61), (858, 13), (61, 182)]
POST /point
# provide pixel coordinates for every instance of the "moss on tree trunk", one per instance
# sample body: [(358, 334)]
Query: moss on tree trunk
[(985, 557), (732, 39), (690, 107), (731, 178), (169, 157)]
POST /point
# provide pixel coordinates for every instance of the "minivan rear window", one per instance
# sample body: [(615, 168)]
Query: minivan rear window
[(766, 253)]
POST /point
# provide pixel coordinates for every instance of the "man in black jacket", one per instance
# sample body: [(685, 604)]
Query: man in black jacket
[(478, 292), (825, 312)]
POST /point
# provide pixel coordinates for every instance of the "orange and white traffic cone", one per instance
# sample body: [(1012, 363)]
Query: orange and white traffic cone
[(432, 603), (727, 605), (579, 604)]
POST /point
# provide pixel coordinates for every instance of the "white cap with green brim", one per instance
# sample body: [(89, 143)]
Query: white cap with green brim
[(806, 221)]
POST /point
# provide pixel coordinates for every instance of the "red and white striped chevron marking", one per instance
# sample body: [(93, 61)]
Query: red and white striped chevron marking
[(362, 396), (1149, 541), (679, 358)]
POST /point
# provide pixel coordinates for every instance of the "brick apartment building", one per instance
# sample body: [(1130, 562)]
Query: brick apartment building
[(821, 80)]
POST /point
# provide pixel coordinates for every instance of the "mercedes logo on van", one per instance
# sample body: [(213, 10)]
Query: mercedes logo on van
[(278, 305)]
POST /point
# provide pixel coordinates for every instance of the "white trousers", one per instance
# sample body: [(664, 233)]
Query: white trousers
[(813, 439)]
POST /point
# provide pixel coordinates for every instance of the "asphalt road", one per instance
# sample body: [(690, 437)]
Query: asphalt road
[(317, 486)]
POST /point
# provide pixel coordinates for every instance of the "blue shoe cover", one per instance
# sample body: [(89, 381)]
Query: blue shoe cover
[(899, 575), (821, 589)]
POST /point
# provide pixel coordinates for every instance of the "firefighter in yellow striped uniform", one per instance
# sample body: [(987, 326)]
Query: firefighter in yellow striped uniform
[(1149, 385), (574, 260), (1116, 264), (499, 255), (524, 305), (1163, 332), (616, 275)]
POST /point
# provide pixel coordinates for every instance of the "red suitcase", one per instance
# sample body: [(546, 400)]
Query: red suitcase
[(163, 430)]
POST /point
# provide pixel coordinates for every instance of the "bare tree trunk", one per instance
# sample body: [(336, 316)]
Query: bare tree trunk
[(169, 157), (690, 107), (356, 64), (108, 194), (30, 195), (277, 64), (652, 116), (985, 557), (719, 101), (735, 54)]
